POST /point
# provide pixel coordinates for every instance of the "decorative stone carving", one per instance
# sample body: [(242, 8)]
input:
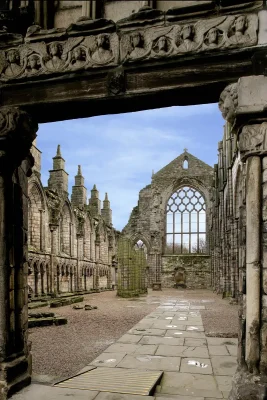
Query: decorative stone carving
[(17, 132), (116, 81), (86, 44), (253, 140), (173, 40), (76, 53), (228, 102)]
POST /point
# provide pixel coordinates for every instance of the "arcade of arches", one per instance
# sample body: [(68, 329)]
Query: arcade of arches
[(71, 243), (62, 60)]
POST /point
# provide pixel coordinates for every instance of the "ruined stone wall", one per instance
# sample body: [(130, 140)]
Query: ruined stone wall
[(69, 248), (193, 271), (148, 220)]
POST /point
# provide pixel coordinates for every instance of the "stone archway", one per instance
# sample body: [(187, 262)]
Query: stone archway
[(56, 84)]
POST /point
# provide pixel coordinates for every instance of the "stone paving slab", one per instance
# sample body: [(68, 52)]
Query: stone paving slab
[(196, 365), (187, 384), (122, 348), (232, 350), (143, 331), (147, 362), (195, 342), (185, 334), (224, 383), (171, 341), (222, 341), (182, 351), (108, 359), (224, 365), (195, 328), (179, 398), (118, 396), (44, 392), (218, 351), (168, 325), (129, 339)]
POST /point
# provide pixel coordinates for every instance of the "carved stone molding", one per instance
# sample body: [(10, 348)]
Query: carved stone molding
[(253, 140), (116, 81), (222, 32), (17, 132), (228, 102), (88, 44)]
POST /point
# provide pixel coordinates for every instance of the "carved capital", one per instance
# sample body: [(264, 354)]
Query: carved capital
[(228, 102), (252, 140), (17, 132)]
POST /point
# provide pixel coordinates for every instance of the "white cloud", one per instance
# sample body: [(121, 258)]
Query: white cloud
[(118, 152)]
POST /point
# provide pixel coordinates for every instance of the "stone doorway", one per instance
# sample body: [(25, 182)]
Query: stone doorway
[(44, 79)]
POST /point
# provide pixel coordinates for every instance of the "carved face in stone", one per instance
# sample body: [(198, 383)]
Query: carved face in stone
[(136, 39), (54, 49), (13, 56), (162, 43), (212, 36), (102, 40), (33, 62), (78, 54), (240, 24), (228, 102), (187, 32)]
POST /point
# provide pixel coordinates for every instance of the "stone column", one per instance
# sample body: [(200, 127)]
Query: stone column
[(17, 131), (242, 105)]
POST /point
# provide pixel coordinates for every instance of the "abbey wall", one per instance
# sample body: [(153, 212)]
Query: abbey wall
[(71, 242), (171, 219)]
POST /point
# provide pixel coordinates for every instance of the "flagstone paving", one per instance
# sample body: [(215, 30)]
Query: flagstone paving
[(170, 339)]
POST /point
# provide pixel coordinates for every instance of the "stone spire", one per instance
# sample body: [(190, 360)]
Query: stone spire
[(58, 179), (79, 191), (106, 212), (95, 203)]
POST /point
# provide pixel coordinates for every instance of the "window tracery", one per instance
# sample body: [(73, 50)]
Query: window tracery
[(186, 222)]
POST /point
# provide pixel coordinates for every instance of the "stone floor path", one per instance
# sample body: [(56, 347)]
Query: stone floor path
[(170, 339)]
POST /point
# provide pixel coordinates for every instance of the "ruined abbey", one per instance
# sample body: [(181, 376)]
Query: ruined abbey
[(198, 226), (71, 242)]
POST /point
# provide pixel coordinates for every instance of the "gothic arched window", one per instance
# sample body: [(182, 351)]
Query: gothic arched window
[(186, 222), (140, 245)]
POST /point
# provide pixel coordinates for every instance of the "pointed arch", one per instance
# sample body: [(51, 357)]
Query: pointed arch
[(186, 221), (66, 229), (36, 207)]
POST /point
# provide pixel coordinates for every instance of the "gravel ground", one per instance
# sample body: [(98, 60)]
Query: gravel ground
[(61, 351)]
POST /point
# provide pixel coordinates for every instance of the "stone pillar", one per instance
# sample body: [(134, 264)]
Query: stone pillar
[(17, 131), (237, 102), (80, 239)]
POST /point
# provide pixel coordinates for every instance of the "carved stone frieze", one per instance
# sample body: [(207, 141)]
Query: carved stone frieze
[(217, 33), (86, 45), (39, 58), (253, 140), (228, 102)]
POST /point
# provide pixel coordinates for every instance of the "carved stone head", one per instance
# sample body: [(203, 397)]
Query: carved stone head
[(162, 43), (55, 49), (212, 36), (33, 61), (136, 39), (102, 40), (13, 56), (228, 102), (240, 24), (187, 32)]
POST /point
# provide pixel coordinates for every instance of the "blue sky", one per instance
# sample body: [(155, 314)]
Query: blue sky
[(118, 152)]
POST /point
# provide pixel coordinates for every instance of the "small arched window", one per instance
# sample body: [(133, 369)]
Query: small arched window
[(186, 222), (185, 164), (140, 245)]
